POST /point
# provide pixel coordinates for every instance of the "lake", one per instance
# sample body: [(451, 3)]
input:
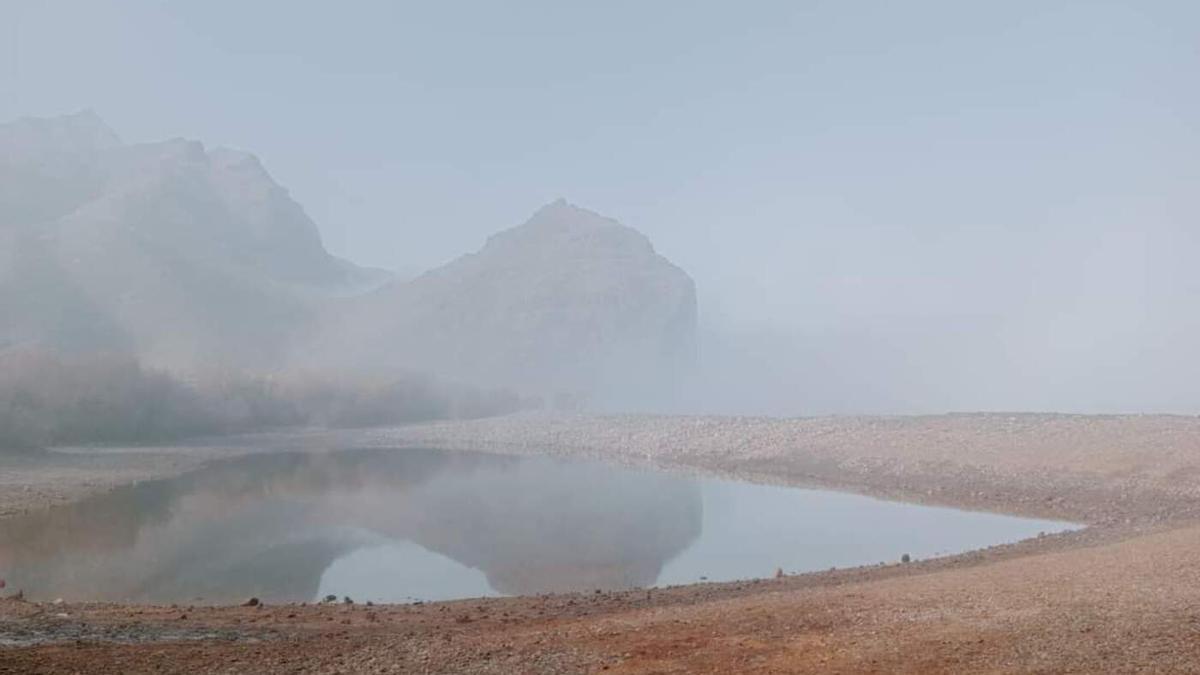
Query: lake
[(414, 524)]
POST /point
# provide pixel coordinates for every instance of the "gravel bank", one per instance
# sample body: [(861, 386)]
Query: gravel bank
[(1093, 469), (1120, 596)]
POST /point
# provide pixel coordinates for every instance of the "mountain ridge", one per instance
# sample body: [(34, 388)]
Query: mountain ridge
[(190, 257), (568, 301), (183, 255)]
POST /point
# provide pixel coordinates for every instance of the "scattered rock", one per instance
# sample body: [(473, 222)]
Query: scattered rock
[(252, 602)]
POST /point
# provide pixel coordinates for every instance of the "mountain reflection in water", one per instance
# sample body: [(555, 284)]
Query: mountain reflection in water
[(398, 525), (269, 526)]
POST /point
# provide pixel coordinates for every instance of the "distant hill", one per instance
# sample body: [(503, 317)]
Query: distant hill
[(193, 258), (569, 301), (180, 254)]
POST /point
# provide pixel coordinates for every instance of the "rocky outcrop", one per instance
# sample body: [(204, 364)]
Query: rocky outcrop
[(178, 253), (570, 302)]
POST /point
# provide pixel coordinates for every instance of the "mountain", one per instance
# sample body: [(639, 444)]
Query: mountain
[(570, 301), (192, 257), (184, 255)]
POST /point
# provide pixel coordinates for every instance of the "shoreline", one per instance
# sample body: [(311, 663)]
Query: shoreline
[(992, 462), (1128, 479)]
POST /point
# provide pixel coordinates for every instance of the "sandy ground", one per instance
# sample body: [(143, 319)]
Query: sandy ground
[(1121, 596)]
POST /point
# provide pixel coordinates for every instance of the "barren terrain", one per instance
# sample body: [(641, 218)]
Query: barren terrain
[(1122, 595)]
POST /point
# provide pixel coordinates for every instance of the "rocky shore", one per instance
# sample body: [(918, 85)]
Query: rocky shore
[(1121, 595)]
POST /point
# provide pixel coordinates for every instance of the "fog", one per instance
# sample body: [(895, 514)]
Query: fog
[(912, 208)]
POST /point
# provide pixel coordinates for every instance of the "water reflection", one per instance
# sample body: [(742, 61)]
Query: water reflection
[(396, 525), (271, 525)]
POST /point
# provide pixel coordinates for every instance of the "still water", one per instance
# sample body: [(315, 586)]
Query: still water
[(404, 525)]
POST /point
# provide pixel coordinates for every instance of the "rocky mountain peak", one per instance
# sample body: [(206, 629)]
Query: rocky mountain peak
[(569, 301), (183, 254), (565, 227)]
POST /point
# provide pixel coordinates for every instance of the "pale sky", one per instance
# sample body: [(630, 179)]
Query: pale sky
[(1014, 181)]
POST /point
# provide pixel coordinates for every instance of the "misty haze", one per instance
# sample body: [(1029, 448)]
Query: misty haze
[(541, 337)]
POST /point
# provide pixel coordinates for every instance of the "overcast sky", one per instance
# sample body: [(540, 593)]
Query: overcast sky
[(1022, 175)]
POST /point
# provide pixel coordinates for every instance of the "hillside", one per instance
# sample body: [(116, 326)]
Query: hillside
[(194, 258), (570, 301), (180, 254)]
